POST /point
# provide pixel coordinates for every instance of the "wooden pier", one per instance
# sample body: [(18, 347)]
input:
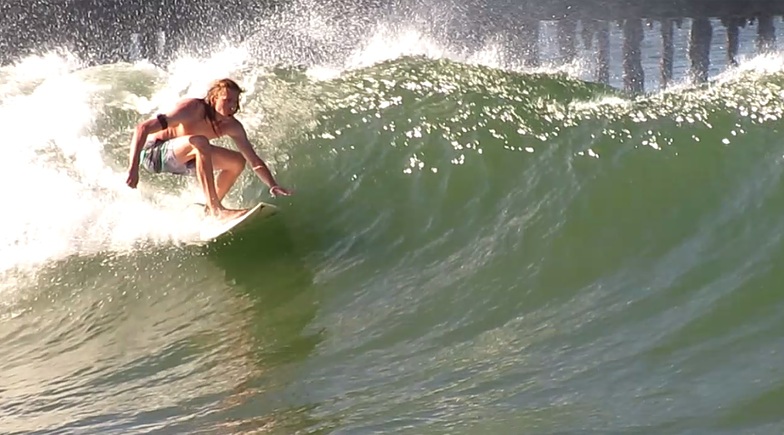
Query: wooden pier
[(110, 30), (595, 36)]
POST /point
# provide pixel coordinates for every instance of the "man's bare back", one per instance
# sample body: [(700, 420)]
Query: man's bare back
[(180, 140)]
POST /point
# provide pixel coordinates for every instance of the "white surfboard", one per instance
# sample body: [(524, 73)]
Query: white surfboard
[(212, 229)]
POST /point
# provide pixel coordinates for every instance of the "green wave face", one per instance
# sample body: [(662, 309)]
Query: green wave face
[(468, 249)]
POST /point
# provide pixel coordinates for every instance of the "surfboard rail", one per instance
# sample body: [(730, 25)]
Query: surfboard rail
[(212, 229)]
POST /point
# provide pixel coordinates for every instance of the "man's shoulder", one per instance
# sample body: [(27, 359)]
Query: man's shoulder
[(233, 125), (188, 109), (191, 103)]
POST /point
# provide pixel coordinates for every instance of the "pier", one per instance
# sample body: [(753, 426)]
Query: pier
[(113, 30), (595, 18)]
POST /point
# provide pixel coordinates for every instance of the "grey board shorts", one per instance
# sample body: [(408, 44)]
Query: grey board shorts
[(158, 156)]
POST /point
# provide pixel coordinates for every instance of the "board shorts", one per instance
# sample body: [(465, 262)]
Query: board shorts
[(158, 156)]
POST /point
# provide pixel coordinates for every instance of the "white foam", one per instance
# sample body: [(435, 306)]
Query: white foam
[(387, 44), (62, 194), (762, 64)]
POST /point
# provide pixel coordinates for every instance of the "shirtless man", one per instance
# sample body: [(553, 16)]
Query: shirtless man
[(178, 142)]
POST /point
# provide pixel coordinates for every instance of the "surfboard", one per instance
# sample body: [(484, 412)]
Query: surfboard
[(212, 229)]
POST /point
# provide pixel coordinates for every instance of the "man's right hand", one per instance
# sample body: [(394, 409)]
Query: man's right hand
[(277, 190), (133, 178)]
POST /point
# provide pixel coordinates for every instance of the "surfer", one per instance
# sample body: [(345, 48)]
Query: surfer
[(178, 142)]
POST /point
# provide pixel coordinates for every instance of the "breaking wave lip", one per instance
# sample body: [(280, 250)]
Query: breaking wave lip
[(95, 210)]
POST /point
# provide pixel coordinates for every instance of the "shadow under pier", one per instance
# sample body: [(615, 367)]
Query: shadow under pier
[(591, 22)]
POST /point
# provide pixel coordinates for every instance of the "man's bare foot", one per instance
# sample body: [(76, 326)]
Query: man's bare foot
[(229, 214)]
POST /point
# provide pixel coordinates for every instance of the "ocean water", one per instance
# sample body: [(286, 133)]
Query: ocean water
[(472, 247)]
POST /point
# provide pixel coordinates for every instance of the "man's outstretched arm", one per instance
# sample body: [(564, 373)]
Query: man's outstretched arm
[(240, 138)]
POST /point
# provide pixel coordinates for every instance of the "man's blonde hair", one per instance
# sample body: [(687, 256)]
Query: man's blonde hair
[(218, 88)]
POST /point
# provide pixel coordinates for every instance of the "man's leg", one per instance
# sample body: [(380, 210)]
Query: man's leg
[(230, 164), (188, 148)]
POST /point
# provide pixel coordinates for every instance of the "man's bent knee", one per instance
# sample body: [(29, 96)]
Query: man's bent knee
[(238, 161), (200, 144)]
